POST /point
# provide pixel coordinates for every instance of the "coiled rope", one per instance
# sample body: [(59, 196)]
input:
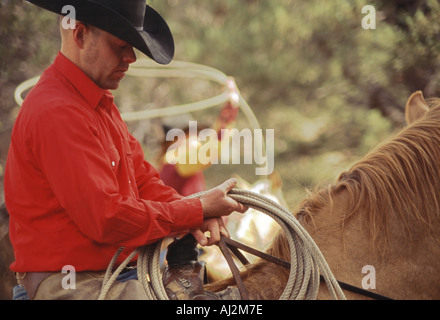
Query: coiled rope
[(307, 261)]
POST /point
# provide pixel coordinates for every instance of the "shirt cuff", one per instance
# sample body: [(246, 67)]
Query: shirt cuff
[(188, 214)]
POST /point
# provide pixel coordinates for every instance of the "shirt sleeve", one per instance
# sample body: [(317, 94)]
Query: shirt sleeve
[(68, 150), (147, 177)]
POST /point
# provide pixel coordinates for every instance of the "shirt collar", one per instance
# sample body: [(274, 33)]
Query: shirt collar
[(85, 86)]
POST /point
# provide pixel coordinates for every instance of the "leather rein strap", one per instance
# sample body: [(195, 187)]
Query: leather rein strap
[(228, 245)]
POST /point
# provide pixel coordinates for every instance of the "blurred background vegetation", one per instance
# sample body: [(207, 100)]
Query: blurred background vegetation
[(329, 88)]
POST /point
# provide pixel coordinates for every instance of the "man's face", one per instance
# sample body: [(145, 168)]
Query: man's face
[(106, 58)]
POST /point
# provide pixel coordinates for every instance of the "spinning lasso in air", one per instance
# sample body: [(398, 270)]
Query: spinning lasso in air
[(176, 69)]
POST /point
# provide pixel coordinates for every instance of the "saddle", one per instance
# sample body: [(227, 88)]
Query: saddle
[(184, 276)]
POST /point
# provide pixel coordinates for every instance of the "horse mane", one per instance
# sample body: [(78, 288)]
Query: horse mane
[(400, 176)]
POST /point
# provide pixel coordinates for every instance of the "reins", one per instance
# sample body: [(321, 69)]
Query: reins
[(228, 245), (307, 267)]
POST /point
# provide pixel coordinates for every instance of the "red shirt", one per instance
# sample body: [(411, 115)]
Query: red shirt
[(77, 186)]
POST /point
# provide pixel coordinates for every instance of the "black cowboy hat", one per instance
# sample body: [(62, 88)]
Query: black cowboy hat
[(130, 20)]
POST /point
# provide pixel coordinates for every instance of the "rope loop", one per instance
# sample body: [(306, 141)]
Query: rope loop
[(307, 261)]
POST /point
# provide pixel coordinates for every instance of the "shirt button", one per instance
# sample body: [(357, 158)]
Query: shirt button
[(113, 163)]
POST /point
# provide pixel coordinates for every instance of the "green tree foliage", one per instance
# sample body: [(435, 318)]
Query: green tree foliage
[(28, 42), (329, 88)]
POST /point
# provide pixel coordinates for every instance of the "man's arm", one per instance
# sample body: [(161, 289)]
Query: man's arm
[(68, 150), (215, 202)]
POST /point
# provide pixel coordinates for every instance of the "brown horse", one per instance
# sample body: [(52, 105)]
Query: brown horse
[(378, 226)]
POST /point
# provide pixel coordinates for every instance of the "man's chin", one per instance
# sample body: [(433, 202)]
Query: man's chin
[(114, 87), (111, 85)]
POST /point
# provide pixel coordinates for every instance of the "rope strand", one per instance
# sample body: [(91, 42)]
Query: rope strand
[(307, 261)]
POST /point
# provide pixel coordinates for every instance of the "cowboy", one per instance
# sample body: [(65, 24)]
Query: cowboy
[(76, 183)]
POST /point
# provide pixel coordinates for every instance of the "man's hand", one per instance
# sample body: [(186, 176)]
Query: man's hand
[(216, 203), (215, 227)]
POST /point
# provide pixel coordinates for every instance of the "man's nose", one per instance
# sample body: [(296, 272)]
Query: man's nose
[(129, 55)]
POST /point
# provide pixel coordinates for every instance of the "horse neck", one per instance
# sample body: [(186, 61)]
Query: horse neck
[(405, 264)]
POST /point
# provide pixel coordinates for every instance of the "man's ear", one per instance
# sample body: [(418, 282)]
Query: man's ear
[(80, 33)]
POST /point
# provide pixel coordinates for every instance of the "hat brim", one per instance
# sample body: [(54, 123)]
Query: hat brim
[(155, 40)]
